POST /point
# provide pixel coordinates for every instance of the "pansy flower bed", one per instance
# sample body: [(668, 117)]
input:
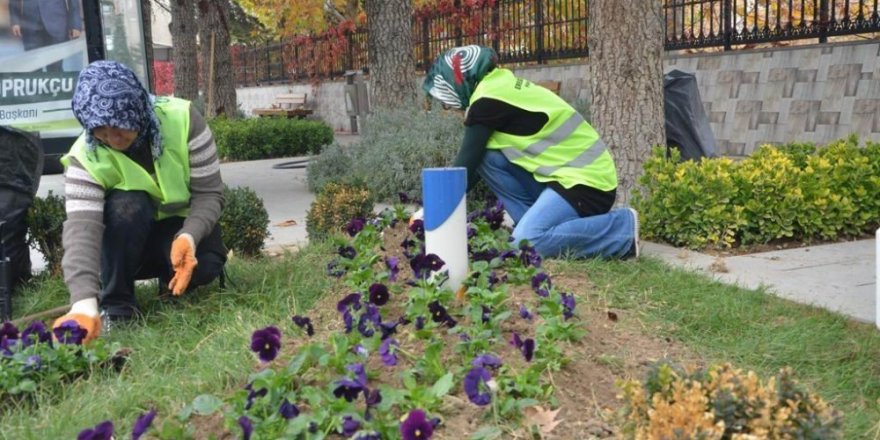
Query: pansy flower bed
[(391, 354), (407, 358), (35, 358)]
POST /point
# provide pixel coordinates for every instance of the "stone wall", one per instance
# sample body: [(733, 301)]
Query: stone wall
[(816, 93)]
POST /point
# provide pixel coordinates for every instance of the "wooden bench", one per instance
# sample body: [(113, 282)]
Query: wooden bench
[(554, 86), (290, 105)]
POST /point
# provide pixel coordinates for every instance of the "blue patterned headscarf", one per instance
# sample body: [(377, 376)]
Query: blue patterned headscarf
[(109, 94)]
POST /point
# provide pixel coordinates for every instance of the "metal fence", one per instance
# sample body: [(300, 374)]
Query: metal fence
[(545, 30)]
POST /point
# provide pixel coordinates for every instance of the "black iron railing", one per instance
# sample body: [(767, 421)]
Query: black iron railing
[(545, 30)]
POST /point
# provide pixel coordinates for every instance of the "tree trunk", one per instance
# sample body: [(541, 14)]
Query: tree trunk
[(389, 44), (218, 83), (147, 18), (626, 81), (183, 39)]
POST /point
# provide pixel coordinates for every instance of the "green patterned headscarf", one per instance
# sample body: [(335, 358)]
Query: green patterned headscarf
[(455, 74)]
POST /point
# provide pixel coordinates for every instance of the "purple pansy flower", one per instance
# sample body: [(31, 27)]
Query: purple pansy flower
[(484, 254), (304, 323), (379, 294), (486, 361), (33, 362), (142, 424), (247, 427), (388, 328), (36, 332), (347, 389), (417, 227), (288, 410), (369, 321), (347, 252), (404, 197), (391, 263), (568, 304), (334, 270), (476, 386), (526, 347), (373, 398), (486, 314), (416, 426), (529, 256), (103, 431), (524, 312), (69, 332), (350, 426), (350, 301), (253, 395), (8, 332), (420, 322), (541, 284), (368, 436), (388, 352), (423, 264), (266, 342), (354, 226), (440, 315), (360, 350), (471, 232)]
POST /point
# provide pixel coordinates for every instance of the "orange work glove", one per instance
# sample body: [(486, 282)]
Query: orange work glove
[(183, 260), (91, 324)]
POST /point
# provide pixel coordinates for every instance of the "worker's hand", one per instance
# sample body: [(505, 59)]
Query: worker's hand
[(418, 215), (183, 260), (74, 34), (16, 31), (85, 314)]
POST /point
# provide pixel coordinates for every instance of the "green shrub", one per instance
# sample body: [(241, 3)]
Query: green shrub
[(689, 204), (335, 206), (264, 138), (245, 222), (394, 147), (796, 191), (724, 403), (45, 220)]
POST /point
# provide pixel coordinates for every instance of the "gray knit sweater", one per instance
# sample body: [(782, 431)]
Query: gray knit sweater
[(84, 203)]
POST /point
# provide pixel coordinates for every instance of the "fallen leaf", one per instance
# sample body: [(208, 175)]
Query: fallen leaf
[(544, 418), (286, 223), (612, 316)]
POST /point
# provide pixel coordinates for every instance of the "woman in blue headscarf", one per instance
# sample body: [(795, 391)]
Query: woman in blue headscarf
[(547, 165), (143, 195)]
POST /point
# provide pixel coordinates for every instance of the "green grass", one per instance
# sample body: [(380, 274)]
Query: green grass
[(190, 346), (199, 344), (754, 330)]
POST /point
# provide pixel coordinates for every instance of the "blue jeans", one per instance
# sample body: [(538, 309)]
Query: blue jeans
[(549, 222)]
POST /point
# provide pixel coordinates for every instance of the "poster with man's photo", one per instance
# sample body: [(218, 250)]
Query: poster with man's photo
[(42, 50)]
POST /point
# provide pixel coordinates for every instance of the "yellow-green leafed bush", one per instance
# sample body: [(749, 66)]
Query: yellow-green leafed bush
[(770, 174), (724, 403), (244, 223), (689, 204), (335, 206), (795, 191)]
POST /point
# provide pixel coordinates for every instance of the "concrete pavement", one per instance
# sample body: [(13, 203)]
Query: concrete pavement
[(839, 277)]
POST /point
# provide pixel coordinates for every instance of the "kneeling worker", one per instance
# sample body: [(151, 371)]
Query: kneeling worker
[(143, 195)]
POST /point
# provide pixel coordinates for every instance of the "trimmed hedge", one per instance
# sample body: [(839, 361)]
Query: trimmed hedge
[(795, 191), (265, 138)]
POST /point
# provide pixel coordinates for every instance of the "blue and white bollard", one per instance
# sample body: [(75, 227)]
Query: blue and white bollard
[(443, 192)]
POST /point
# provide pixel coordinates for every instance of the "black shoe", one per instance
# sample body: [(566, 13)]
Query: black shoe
[(115, 316)]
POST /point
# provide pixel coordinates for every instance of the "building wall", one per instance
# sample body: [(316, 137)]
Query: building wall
[(813, 94)]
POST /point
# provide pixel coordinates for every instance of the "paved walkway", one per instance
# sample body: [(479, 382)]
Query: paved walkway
[(839, 277)]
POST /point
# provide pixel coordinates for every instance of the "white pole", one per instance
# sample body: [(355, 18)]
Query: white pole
[(443, 192), (877, 278)]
